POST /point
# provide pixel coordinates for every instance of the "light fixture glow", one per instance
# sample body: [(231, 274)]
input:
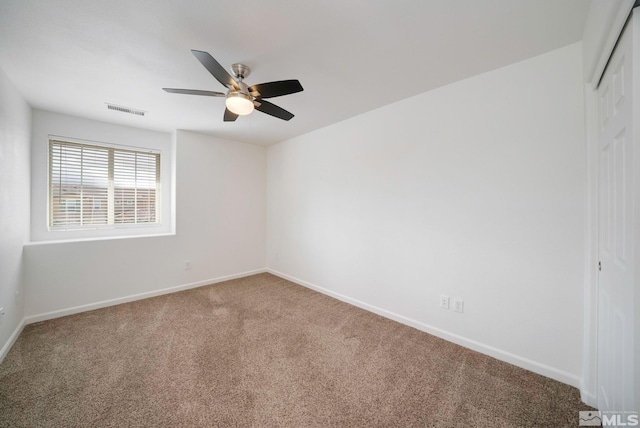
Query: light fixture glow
[(239, 103)]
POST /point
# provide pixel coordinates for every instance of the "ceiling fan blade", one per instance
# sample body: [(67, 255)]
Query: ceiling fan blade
[(276, 89), (273, 110), (215, 69), (229, 116), (194, 92)]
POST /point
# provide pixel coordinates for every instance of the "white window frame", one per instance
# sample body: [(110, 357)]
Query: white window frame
[(112, 148), (46, 125)]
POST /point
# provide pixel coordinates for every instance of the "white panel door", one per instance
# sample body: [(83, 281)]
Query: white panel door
[(616, 234)]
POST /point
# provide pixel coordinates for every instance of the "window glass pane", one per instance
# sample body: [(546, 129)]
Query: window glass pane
[(134, 181), (95, 185), (80, 177)]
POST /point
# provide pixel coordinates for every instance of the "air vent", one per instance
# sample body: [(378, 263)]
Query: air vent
[(125, 109)]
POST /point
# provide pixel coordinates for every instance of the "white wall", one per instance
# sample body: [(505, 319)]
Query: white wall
[(15, 131), (221, 205), (474, 190), (220, 189)]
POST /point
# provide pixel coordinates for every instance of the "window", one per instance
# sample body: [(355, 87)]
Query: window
[(92, 185)]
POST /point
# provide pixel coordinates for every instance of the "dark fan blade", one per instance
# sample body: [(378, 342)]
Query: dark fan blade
[(215, 69), (228, 116), (194, 92), (273, 110), (276, 89)]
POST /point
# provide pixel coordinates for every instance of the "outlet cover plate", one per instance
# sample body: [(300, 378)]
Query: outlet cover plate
[(444, 301)]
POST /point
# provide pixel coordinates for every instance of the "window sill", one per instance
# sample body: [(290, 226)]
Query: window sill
[(98, 238)]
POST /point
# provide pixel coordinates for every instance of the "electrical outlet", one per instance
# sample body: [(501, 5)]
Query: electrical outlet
[(187, 265), (444, 301), (458, 305)]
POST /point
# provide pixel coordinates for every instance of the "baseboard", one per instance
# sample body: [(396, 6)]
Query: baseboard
[(499, 354), (111, 302), (12, 339), (589, 398)]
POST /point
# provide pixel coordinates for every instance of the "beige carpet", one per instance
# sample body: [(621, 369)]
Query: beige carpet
[(262, 352)]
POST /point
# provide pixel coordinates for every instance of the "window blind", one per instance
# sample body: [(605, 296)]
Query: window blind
[(93, 185)]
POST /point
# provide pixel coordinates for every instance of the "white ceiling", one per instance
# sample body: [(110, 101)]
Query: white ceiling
[(351, 56)]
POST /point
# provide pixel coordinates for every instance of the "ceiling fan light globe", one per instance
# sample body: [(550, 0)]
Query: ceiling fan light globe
[(239, 104)]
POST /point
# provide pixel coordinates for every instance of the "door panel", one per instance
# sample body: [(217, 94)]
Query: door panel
[(615, 181)]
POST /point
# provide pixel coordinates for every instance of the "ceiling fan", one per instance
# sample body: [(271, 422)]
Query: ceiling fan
[(240, 98)]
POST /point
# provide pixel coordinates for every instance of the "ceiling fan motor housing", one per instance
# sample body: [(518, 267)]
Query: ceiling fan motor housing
[(241, 71)]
